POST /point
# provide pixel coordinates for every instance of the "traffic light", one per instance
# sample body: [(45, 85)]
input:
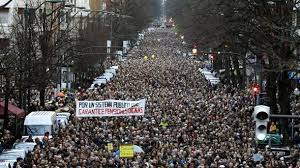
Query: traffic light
[(212, 56), (261, 116), (255, 89)]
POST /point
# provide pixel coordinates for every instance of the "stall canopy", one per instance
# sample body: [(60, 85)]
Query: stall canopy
[(12, 110)]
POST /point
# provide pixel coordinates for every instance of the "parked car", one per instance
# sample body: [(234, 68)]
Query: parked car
[(111, 70), (108, 74), (18, 152), (9, 158), (100, 81)]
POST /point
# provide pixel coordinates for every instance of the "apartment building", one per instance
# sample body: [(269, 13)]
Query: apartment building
[(7, 14), (74, 13)]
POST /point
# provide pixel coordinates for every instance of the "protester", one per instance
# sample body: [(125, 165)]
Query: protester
[(7, 140), (29, 139), (187, 122)]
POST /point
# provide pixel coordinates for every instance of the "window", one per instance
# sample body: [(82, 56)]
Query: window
[(4, 16)]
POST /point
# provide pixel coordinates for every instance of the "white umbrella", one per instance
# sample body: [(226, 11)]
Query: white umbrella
[(137, 149), (257, 157)]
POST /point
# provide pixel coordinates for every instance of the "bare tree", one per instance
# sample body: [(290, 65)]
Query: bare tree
[(8, 67), (122, 22), (263, 27), (41, 47)]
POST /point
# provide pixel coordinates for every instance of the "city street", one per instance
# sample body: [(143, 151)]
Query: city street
[(149, 84), (186, 122)]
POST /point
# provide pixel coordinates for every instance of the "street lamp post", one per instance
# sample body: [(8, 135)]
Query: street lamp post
[(64, 69)]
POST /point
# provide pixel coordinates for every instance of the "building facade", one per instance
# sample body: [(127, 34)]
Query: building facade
[(76, 14)]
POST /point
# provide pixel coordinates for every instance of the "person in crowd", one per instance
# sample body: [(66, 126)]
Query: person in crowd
[(273, 128), (1, 146), (297, 138), (38, 142), (7, 140), (29, 139), (46, 138), (19, 163)]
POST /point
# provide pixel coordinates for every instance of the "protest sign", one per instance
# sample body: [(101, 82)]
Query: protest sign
[(110, 146), (109, 108), (126, 151)]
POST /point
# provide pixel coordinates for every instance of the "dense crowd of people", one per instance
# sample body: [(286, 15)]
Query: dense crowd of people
[(187, 122)]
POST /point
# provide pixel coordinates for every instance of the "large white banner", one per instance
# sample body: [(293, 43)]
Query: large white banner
[(110, 108)]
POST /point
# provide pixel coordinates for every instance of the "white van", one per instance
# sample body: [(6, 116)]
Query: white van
[(39, 122), (108, 74), (18, 152), (66, 114), (113, 71), (114, 67), (100, 81), (105, 77), (62, 120), (6, 163), (27, 146), (10, 158)]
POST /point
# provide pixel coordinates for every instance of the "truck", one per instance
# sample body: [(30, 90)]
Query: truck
[(37, 123)]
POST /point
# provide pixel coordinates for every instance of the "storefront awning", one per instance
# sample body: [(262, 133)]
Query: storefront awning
[(12, 110)]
